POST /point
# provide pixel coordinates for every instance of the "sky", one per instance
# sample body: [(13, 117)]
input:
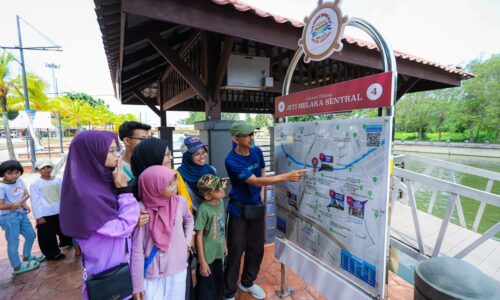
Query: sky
[(449, 32)]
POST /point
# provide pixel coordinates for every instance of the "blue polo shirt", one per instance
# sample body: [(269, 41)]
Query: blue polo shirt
[(239, 168)]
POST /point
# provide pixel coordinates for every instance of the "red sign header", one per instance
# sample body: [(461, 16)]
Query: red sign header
[(366, 92)]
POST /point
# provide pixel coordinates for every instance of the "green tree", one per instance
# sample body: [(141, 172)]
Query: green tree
[(412, 114), (260, 120), (85, 97), (11, 91), (6, 84), (196, 116), (482, 95)]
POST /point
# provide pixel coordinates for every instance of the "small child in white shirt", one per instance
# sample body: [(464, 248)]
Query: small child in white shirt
[(45, 199)]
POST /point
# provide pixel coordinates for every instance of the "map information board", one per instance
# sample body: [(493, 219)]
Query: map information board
[(338, 211)]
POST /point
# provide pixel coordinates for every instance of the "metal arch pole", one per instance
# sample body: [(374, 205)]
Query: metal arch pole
[(387, 55), (389, 63)]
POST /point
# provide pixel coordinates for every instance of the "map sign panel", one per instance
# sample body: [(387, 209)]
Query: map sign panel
[(338, 211)]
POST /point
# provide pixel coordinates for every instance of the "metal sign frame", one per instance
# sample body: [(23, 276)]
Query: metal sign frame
[(389, 64)]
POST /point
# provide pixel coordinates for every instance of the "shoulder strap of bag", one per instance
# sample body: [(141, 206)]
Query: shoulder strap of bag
[(149, 260)]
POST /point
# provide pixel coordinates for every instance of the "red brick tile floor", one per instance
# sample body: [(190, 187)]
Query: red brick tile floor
[(62, 280)]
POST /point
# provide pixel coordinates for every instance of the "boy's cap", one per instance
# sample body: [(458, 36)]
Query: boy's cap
[(239, 128), (193, 144), (210, 182), (41, 163)]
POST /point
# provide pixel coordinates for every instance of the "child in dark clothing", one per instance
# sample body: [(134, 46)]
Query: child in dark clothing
[(210, 240)]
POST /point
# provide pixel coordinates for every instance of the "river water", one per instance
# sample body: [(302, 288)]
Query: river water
[(470, 207)]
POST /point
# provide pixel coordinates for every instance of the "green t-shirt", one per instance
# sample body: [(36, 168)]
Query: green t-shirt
[(211, 219)]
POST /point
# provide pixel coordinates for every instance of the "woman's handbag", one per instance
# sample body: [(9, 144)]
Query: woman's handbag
[(113, 283)]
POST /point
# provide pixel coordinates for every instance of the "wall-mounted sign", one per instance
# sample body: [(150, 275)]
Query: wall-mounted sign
[(366, 92), (323, 31)]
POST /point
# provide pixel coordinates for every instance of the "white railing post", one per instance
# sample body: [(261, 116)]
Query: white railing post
[(480, 211), (460, 212), (486, 236), (413, 205), (444, 225), (434, 194)]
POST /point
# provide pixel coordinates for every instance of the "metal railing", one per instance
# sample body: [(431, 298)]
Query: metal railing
[(409, 182)]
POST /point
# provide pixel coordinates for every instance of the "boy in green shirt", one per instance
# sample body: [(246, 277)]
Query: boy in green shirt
[(210, 238)]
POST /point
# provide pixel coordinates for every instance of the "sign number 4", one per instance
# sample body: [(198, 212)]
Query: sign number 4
[(374, 91)]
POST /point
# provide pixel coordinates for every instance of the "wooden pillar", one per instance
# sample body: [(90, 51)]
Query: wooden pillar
[(213, 107)]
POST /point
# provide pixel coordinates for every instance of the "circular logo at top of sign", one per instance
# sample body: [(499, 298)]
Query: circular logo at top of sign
[(374, 91), (281, 106), (323, 31)]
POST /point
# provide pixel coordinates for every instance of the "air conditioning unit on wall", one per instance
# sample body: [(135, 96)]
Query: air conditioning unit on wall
[(248, 72)]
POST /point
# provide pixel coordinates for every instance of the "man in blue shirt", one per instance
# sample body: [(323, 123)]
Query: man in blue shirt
[(246, 213)]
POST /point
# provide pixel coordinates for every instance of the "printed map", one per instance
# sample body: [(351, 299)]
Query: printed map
[(337, 213)]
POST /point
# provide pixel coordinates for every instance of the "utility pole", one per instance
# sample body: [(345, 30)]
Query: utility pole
[(26, 98), (53, 66)]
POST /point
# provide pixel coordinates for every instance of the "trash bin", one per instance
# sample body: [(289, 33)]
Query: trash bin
[(443, 278)]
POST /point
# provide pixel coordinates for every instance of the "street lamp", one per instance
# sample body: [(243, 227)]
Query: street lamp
[(53, 66)]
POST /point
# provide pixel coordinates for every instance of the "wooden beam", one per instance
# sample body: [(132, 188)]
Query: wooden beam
[(405, 87), (180, 66), (226, 20), (123, 25), (183, 51), (140, 32), (139, 83), (212, 17), (141, 68), (179, 98), (151, 72), (141, 98), (222, 66)]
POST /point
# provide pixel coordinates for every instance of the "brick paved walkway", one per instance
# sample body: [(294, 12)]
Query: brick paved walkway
[(61, 280)]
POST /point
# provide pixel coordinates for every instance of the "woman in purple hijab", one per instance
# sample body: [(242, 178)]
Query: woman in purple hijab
[(97, 208)]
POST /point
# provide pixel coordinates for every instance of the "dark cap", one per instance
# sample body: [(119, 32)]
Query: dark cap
[(193, 144)]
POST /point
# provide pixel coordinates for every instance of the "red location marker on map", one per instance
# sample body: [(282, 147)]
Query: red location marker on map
[(314, 162)]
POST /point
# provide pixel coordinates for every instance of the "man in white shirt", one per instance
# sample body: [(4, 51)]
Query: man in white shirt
[(131, 133)]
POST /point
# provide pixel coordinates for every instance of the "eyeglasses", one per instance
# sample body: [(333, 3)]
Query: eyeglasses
[(114, 151), (245, 135), (200, 153), (138, 138)]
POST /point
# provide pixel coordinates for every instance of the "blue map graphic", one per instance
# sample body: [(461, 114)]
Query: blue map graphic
[(301, 164)]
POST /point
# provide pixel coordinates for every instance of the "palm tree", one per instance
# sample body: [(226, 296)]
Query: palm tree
[(75, 111), (6, 84)]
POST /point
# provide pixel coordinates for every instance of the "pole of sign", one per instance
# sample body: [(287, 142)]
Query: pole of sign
[(26, 99), (389, 64)]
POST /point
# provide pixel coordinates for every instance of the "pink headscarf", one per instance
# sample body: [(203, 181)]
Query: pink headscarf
[(161, 210)]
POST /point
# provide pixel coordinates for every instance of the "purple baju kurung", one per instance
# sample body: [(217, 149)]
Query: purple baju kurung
[(105, 248)]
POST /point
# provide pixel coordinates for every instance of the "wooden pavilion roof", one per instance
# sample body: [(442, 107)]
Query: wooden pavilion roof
[(160, 53)]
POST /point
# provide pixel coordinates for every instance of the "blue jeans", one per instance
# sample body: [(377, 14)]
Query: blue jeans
[(15, 224)]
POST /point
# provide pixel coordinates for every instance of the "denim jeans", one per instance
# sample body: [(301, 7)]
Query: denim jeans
[(15, 224)]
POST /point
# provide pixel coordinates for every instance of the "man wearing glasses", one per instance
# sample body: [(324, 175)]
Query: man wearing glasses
[(246, 213), (131, 133)]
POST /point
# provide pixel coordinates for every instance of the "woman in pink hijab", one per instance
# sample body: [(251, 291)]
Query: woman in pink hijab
[(165, 241)]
